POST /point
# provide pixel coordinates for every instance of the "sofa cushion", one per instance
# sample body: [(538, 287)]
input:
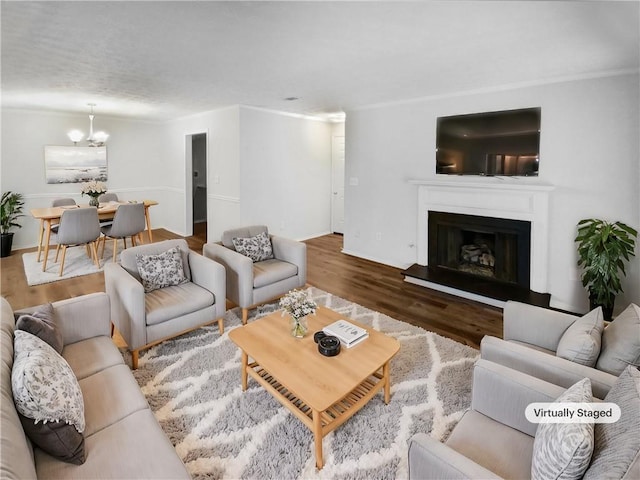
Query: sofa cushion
[(172, 302), (42, 324), (497, 447), (134, 447), (621, 342), (618, 443), (258, 248), (161, 270), (46, 390), (563, 450), (91, 356), (272, 271), (250, 231), (580, 343)]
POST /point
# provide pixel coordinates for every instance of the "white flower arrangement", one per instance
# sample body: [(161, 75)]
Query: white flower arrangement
[(93, 188), (298, 304)]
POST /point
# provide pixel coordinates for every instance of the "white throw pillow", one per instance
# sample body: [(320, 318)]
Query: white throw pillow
[(162, 270), (621, 342), (44, 386), (563, 450), (580, 343)]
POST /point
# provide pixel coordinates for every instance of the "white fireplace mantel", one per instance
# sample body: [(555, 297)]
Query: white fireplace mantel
[(512, 198)]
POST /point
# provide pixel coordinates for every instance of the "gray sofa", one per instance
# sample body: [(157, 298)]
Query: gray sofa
[(530, 339), (122, 437), (495, 440)]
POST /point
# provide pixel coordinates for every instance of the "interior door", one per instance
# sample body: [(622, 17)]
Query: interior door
[(337, 184)]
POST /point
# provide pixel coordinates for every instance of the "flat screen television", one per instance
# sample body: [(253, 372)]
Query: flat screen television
[(504, 143)]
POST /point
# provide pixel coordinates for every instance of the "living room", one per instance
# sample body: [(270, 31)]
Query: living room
[(270, 162)]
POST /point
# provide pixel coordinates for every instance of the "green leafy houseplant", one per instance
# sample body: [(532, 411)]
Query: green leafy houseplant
[(10, 210), (603, 249)]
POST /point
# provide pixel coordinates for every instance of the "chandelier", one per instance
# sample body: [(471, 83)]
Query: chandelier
[(97, 139)]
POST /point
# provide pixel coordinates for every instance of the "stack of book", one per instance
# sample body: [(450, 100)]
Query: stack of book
[(348, 333)]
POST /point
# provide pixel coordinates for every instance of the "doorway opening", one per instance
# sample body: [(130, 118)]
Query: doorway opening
[(196, 153)]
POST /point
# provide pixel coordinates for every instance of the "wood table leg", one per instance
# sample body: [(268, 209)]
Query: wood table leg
[(317, 438), (387, 382), (148, 219), (40, 235), (245, 363), (46, 245)]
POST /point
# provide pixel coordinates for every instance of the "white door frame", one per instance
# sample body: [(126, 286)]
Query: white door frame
[(335, 193)]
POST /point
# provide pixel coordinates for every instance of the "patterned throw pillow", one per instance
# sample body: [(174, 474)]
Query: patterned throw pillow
[(618, 443), (563, 450), (257, 248), (162, 270), (42, 324), (48, 398)]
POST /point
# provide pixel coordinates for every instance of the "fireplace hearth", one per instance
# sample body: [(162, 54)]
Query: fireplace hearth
[(485, 256)]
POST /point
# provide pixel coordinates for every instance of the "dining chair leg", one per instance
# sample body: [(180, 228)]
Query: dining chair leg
[(102, 240), (115, 249), (133, 241), (64, 253), (57, 252), (94, 250), (86, 246)]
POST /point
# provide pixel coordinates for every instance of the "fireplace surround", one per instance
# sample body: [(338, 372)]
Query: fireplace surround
[(518, 199)]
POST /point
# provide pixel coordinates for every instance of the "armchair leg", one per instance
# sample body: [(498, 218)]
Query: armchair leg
[(134, 359), (245, 315), (221, 325)]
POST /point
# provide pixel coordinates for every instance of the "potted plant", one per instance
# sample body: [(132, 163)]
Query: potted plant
[(603, 249), (11, 209)]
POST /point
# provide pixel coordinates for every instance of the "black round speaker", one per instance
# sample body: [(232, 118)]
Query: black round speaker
[(318, 335), (329, 346)]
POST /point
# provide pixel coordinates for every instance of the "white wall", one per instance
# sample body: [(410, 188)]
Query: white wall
[(286, 173), (133, 152), (222, 127), (590, 152)]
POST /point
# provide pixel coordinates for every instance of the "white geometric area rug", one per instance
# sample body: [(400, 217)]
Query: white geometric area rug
[(193, 386), (76, 264)]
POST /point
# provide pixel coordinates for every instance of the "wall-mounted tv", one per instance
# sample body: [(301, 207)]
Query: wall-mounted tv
[(505, 143)]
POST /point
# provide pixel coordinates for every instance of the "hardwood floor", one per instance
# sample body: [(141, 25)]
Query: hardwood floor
[(376, 286)]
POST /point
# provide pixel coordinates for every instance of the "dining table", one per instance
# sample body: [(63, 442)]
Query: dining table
[(50, 216)]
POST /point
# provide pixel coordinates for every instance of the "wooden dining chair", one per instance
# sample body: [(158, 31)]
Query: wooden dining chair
[(129, 221), (78, 226)]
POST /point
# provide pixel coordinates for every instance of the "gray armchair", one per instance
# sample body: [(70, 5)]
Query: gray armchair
[(250, 284), (530, 340), (146, 319)]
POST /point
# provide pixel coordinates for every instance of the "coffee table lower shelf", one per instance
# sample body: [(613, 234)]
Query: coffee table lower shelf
[(322, 422)]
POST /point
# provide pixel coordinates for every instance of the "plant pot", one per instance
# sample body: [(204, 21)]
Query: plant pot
[(7, 243), (607, 310)]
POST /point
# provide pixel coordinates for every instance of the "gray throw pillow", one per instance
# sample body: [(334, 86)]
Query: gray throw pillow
[(47, 395), (257, 248), (618, 443), (162, 270), (580, 343), (563, 450), (42, 324), (621, 342)]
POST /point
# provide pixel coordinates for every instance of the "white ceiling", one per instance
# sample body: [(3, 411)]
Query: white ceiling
[(162, 60)]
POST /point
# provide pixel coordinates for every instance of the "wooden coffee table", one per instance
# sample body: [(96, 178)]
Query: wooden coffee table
[(323, 392)]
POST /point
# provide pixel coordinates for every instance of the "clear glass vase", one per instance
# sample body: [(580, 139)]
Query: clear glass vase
[(93, 201), (298, 326)]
